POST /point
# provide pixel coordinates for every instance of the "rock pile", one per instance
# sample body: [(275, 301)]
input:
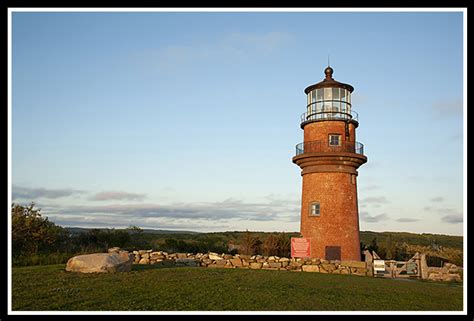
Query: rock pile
[(449, 272)]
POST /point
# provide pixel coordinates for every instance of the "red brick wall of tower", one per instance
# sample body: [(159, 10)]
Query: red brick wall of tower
[(338, 222), (336, 192)]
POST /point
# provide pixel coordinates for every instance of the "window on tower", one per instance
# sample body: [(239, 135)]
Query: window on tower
[(334, 140), (314, 209)]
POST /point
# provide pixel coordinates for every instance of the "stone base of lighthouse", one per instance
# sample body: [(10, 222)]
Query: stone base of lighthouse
[(330, 181)]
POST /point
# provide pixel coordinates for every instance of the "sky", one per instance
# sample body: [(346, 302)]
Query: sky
[(189, 120)]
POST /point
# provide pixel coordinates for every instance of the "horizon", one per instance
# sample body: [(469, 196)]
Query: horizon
[(251, 231), (189, 120)]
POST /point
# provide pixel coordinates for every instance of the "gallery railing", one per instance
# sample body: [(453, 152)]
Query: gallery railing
[(325, 114), (319, 146)]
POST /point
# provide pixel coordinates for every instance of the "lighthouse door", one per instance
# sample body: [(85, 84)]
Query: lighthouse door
[(333, 253)]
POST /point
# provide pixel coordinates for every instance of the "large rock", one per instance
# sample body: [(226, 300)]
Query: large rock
[(186, 262), (255, 265), (144, 260), (215, 256), (101, 263), (310, 268)]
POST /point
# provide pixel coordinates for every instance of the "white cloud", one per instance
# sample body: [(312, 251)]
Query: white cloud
[(31, 194), (448, 108), (117, 195), (364, 216), (234, 46)]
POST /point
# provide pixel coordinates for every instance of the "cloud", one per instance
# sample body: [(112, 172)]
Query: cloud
[(19, 192), (407, 220), (449, 215), (117, 195), (370, 187), (364, 216), (232, 46), (452, 219), (375, 200), (437, 199), (447, 108), (264, 43), (183, 214)]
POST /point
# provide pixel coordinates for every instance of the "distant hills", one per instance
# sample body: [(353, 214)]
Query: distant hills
[(423, 239), (149, 231)]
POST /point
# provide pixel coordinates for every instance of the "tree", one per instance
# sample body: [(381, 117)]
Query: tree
[(133, 229), (249, 245), (32, 233), (270, 245), (373, 246)]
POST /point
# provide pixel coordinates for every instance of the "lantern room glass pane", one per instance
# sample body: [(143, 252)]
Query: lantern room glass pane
[(313, 96), (327, 93), (343, 94), (320, 94), (335, 94)]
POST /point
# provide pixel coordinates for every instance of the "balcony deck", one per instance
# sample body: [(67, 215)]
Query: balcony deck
[(319, 146)]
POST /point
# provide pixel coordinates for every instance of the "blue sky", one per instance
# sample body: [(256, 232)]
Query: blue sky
[(189, 120)]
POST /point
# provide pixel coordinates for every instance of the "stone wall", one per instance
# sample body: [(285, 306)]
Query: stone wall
[(215, 260), (449, 272)]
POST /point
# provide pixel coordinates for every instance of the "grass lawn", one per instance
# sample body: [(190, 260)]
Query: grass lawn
[(151, 288)]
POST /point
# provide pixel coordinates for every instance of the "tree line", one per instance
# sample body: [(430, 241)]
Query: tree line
[(36, 240)]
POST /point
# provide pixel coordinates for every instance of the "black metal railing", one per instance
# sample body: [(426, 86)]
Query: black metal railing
[(319, 146), (325, 114)]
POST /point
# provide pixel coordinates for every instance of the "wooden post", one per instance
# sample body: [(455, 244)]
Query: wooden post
[(423, 267), (369, 263)]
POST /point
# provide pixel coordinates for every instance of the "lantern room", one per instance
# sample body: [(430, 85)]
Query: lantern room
[(328, 99)]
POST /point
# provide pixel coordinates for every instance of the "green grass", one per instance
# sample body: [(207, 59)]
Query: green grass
[(149, 288)]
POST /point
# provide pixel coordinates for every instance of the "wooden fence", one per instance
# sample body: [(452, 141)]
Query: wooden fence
[(415, 267)]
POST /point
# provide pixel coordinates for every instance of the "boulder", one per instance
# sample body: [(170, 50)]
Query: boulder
[(297, 263), (101, 263), (144, 260), (328, 267), (236, 262), (215, 256), (186, 262), (316, 261), (255, 265), (114, 250), (274, 264), (452, 277), (310, 268)]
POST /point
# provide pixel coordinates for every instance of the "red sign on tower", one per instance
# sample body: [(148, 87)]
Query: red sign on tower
[(300, 247)]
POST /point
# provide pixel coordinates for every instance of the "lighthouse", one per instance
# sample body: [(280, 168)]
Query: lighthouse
[(329, 157)]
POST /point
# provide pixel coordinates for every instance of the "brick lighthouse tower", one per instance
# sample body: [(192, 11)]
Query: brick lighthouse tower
[(329, 158)]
